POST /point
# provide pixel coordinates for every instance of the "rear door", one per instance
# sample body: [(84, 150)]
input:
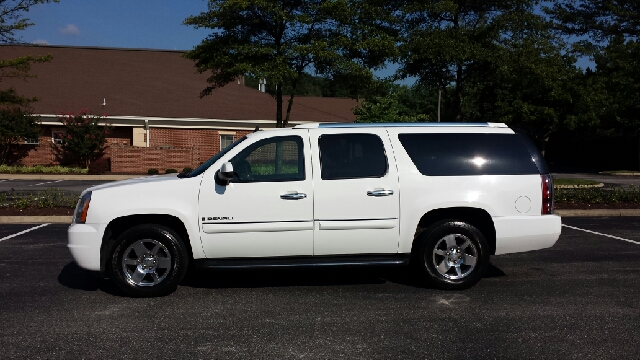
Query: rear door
[(356, 193)]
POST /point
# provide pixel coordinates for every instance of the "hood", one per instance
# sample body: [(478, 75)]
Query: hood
[(136, 181)]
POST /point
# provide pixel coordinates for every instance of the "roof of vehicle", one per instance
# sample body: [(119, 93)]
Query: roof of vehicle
[(367, 125)]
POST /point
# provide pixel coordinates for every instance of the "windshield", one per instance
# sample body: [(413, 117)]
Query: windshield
[(205, 165)]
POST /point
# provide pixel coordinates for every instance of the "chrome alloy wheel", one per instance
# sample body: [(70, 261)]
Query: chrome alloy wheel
[(454, 256), (146, 262)]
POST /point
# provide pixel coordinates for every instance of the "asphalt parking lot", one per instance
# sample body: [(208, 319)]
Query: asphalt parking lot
[(578, 299)]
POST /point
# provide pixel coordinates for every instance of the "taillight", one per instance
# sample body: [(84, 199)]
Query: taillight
[(547, 194)]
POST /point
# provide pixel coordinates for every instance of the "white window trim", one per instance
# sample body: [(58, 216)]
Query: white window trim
[(53, 136)]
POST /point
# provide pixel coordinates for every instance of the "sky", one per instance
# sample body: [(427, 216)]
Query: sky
[(143, 24), (148, 24)]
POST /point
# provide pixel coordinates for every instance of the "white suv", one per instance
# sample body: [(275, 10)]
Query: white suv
[(442, 197)]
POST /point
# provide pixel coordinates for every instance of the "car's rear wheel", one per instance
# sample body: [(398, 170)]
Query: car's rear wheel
[(149, 260), (452, 255)]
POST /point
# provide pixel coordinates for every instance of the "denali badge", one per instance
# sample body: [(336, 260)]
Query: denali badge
[(214, 218)]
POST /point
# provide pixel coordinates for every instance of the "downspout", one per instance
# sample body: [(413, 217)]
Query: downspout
[(146, 127)]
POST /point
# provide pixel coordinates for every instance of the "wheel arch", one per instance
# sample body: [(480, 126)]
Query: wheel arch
[(479, 218), (119, 225)]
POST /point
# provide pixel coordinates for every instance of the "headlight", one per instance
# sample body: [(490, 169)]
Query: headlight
[(80, 214)]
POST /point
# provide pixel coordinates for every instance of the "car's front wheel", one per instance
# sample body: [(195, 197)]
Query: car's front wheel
[(452, 255), (149, 260)]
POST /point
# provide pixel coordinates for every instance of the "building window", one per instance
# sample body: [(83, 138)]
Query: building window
[(57, 136), (225, 141), (32, 141)]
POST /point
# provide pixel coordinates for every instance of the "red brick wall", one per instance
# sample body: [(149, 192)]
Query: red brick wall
[(188, 148), (128, 159)]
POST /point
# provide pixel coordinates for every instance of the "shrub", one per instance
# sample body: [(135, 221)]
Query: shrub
[(84, 139), (100, 166), (153, 171), (171, 171), (187, 170)]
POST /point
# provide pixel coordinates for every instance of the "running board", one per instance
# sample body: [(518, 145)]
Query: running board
[(305, 261)]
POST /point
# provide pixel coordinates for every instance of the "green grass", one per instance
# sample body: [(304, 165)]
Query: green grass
[(41, 169), (578, 182)]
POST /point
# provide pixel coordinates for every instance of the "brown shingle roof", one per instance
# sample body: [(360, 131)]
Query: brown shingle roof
[(152, 83)]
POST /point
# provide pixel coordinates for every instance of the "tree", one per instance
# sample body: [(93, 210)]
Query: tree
[(531, 82), (447, 42), (608, 32), (400, 103), (84, 139), (279, 40), (16, 124), (600, 19)]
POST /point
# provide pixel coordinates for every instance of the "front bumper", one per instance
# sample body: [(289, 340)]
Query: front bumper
[(525, 233), (84, 242)]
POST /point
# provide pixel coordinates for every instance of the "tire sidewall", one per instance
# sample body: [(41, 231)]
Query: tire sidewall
[(165, 236), (429, 239)]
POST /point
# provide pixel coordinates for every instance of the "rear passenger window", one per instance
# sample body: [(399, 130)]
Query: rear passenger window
[(349, 156), (468, 154)]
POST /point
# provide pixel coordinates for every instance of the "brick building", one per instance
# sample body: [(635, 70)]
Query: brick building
[(151, 98)]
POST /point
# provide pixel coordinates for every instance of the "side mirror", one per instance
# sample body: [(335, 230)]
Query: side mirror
[(224, 175)]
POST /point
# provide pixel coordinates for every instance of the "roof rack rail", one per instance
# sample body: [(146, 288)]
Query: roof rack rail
[(427, 124)]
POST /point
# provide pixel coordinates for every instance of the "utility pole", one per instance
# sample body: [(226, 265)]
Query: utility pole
[(439, 96)]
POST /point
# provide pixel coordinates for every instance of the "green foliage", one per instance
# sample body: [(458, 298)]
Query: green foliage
[(16, 124), (48, 198), (280, 40), (84, 138), (41, 169), (400, 104), (12, 17), (601, 19), (597, 195), (153, 171), (187, 170), (170, 171)]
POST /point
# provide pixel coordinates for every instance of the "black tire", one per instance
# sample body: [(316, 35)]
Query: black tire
[(149, 260), (452, 255)]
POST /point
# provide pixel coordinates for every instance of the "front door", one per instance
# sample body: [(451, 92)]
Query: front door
[(267, 209), (356, 205)]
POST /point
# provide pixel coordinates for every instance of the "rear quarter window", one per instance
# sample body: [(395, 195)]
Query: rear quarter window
[(469, 154)]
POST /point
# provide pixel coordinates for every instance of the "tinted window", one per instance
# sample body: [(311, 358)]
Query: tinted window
[(468, 154), (273, 159), (348, 156)]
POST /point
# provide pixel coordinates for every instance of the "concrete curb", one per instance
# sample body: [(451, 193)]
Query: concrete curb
[(35, 219), (66, 177), (579, 186), (597, 212), (620, 174)]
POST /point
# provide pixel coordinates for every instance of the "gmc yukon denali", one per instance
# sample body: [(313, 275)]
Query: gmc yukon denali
[(442, 197)]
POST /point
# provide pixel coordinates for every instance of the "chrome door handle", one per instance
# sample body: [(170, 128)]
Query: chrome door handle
[(380, 192), (293, 196)]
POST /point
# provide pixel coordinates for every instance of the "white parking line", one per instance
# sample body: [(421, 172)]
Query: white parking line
[(48, 182), (23, 232), (597, 233)]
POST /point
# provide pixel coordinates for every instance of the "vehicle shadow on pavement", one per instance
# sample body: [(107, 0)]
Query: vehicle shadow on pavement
[(208, 278), (74, 277)]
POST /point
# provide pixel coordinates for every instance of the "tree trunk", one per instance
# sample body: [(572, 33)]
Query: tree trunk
[(279, 105), (457, 101)]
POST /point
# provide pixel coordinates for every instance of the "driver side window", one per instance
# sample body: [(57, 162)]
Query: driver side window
[(274, 159)]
